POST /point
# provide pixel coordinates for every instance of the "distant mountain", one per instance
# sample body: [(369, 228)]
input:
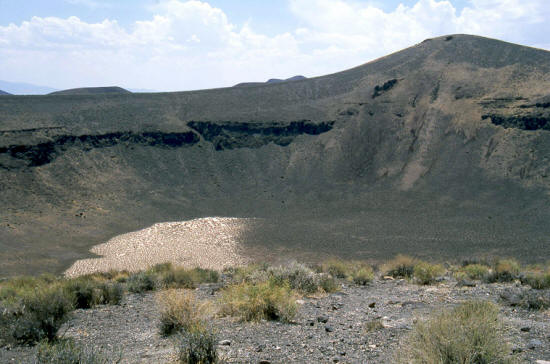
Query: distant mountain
[(4, 93), (92, 91), (271, 80), (21, 88)]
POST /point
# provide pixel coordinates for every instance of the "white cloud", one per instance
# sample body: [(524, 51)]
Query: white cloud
[(92, 4), (191, 44)]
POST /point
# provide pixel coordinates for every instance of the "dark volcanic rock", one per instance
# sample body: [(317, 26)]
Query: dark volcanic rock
[(324, 167)]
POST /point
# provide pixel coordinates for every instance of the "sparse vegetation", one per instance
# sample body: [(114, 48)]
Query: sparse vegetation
[(187, 278), (354, 271), (298, 276), (473, 271), (141, 282), (88, 292), (505, 270), (537, 277), (180, 310), (471, 333), (197, 347), (252, 273), (402, 266), (37, 315), (328, 283), (268, 300), (426, 273), (374, 325), (68, 352)]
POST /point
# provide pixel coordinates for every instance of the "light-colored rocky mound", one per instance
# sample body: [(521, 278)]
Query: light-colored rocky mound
[(211, 243)]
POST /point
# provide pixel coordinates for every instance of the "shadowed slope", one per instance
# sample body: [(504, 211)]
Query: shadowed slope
[(4, 93), (440, 149)]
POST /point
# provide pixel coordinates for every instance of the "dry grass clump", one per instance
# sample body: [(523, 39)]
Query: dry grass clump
[(66, 351), (426, 273), (183, 314), (181, 310), (471, 333), (374, 325), (473, 271), (268, 300), (298, 276), (252, 273), (505, 270), (402, 266), (328, 283), (354, 271), (537, 277), (197, 347)]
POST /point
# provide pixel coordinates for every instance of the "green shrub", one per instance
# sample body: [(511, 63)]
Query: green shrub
[(37, 316), (253, 302), (505, 270), (197, 347), (535, 300), (141, 282), (471, 333), (537, 278), (328, 283), (474, 271), (352, 270), (112, 293), (363, 275), (402, 266), (187, 278), (336, 268), (85, 292), (12, 289), (68, 352), (180, 310), (252, 273), (297, 276), (426, 273)]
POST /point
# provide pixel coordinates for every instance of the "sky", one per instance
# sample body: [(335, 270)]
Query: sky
[(171, 45)]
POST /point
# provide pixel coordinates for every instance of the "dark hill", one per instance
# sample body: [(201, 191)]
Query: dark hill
[(92, 91), (4, 93), (271, 80), (440, 150)]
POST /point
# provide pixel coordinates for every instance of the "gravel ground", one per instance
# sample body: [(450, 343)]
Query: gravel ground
[(326, 330)]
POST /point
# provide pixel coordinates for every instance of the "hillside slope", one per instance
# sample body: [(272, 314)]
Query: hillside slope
[(4, 93), (441, 149)]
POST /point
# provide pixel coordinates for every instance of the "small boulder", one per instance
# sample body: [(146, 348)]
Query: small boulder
[(534, 343), (323, 319), (225, 343)]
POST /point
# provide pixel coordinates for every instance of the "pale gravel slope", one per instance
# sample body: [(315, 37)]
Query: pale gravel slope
[(211, 242)]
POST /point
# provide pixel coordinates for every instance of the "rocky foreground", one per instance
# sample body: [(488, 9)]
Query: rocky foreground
[(358, 324)]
